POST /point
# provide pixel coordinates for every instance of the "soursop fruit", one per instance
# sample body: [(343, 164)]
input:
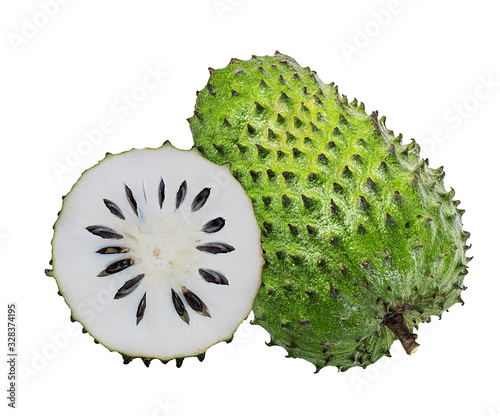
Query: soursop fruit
[(157, 253), (361, 239)]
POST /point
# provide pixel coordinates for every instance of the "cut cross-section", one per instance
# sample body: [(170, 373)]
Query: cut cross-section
[(157, 253)]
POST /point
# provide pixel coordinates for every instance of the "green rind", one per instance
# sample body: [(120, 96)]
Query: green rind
[(328, 287)]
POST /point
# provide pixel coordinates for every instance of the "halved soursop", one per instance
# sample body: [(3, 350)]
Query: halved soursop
[(157, 253), (361, 239)]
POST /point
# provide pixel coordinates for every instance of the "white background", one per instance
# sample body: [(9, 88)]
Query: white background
[(433, 68)]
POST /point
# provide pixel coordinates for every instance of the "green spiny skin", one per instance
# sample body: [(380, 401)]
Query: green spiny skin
[(356, 228)]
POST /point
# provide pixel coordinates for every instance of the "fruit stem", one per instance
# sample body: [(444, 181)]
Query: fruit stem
[(395, 321)]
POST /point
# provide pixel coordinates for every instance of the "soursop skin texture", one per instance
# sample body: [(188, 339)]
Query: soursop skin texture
[(357, 229)]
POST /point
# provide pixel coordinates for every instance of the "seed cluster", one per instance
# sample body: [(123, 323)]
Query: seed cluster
[(185, 295)]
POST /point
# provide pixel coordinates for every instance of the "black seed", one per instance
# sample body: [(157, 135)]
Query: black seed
[(347, 171), (258, 107), (280, 154), (336, 131), (214, 226), (200, 199), (297, 121), (311, 176), (284, 96), (242, 148), (281, 81), (140, 310), (129, 286), (287, 175), (104, 232), (361, 229), (211, 276), (116, 267), (216, 248), (293, 229), (389, 288), (113, 208), (397, 196), (270, 174), (342, 119), (304, 91), (303, 107), (226, 123), (217, 147), (131, 199), (407, 225), (296, 76), (271, 135), (112, 250), (266, 200), (254, 175), (331, 144), (280, 255), (262, 82), (179, 306), (383, 165), (181, 194), (296, 152), (310, 230), (250, 129), (322, 158), (234, 93), (195, 302), (280, 119), (161, 193)]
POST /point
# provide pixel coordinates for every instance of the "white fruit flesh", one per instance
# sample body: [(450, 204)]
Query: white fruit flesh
[(162, 243)]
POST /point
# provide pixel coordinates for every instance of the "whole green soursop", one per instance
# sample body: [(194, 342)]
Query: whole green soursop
[(361, 239)]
